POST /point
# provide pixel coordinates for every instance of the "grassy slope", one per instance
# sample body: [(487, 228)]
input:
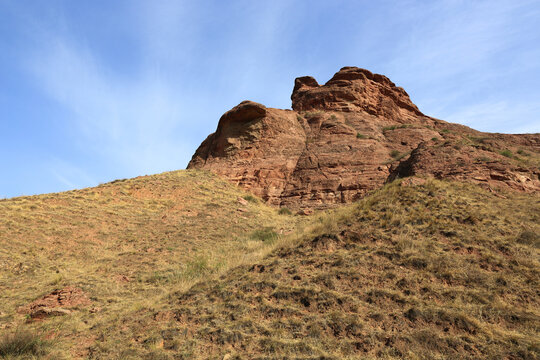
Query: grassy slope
[(162, 233), (442, 270)]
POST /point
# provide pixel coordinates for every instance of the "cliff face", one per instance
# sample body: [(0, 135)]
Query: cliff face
[(351, 135)]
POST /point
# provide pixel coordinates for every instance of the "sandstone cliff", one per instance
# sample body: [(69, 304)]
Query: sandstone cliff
[(350, 136)]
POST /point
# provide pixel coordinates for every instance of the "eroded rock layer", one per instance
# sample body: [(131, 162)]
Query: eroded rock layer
[(352, 135)]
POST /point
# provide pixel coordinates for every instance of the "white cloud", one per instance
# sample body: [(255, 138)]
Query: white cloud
[(69, 175), (512, 118), (130, 123)]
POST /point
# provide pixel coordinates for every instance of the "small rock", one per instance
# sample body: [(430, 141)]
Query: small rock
[(43, 312), (242, 201), (306, 211)]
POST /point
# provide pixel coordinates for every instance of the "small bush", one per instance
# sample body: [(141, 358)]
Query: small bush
[(266, 234), (394, 154), (20, 343), (250, 198), (196, 268), (311, 114), (528, 237), (523, 152), (333, 117), (435, 138), (506, 153), (284, 211), (445, 131), (388, 128), (360, 136)]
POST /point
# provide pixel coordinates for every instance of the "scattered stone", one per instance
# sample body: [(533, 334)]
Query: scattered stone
[(121, 278), (306, 211), (43, 312), (242, 201), (58, 302), (413, 181)]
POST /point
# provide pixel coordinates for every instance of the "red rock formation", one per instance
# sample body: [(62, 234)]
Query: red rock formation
[(350, 136), (59, 302)]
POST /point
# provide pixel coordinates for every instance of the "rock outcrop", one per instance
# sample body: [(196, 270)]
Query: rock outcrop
[(350, 136), (59, 302)]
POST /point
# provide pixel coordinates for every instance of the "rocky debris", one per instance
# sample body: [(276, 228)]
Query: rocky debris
[(468, 163), (350, 136), (43, 312), (58, 302), (242, 201), (120, 278), (305, 211)]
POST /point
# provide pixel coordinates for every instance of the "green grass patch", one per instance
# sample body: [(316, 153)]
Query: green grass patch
[(251, 198), (266, 235), (506, 153), (284, 211)]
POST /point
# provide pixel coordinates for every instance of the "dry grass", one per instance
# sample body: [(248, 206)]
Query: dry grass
[(442, 270), (430, 272), (127, 244), (22, 344)]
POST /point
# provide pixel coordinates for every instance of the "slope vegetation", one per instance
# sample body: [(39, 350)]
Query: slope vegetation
[(176, 266), (99, 253), (439, 270)]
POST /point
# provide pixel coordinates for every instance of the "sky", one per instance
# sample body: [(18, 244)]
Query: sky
[(93, 91)]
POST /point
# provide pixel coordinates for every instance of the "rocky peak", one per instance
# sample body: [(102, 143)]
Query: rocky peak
[(353, 89), (350, 136)]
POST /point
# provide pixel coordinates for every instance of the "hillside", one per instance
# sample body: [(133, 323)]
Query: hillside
[(350, 227), (426, 271), (126, 245)]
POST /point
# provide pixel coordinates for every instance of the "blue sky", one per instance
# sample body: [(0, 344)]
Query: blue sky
[(92, 91)]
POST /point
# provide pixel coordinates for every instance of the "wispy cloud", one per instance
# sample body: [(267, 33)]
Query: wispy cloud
[(69, 175), (498, 115), (457, 56), (131, 122), (144, 82)]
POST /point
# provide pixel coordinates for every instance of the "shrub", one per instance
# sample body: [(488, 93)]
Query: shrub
[(360, 136), (506, 153), (266, 234), (284, 211), (434, 138), (388, 128), (250, 198), (394, 153), (528, 237), (20, 343), (310, 114), (523, 152), (196, 268)]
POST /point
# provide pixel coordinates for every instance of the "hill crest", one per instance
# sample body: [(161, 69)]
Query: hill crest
[(352, 135)]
